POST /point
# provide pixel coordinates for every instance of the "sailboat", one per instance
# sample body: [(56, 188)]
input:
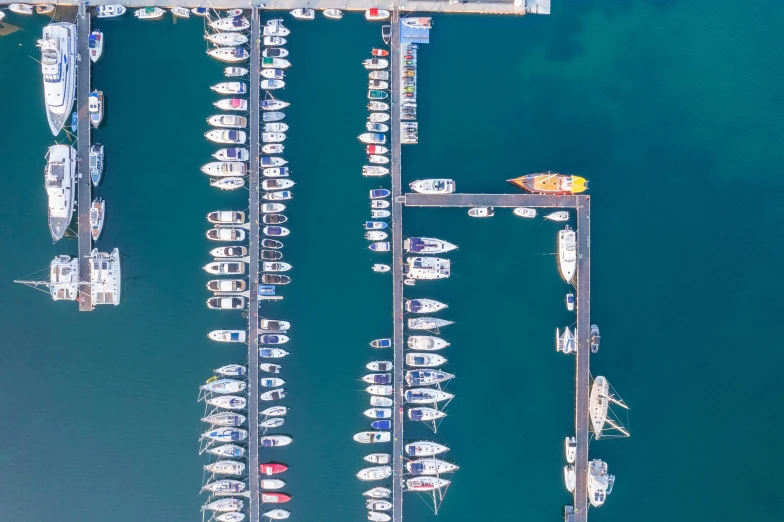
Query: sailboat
[(599, 403), (566, 342), (424, 306), (430, 467)]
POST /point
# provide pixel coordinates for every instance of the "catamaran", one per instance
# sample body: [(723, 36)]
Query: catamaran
[(566, 342), (427, 268), (551, 183), (59, 180), (58, 67), (567, 253)]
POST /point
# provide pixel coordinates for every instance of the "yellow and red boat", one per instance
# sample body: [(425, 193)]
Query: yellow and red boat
[(551, 183)]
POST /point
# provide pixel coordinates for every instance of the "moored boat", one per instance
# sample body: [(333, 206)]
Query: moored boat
[(149, 13), (433, 186), (275, 411), (334, 14), (379, 193), (226, 234), (430, 467), (227, 285), (229, 121), (227, 183), (225, 418), (378, 492), (424, 306), (567, 253), (375, 473), (228, 402), (426, 396), (481, 212), (95, 108), (379, 366), (229, 54), (229, 40), (425, 414), (109, 11), (231, 370), (426, 377), (58, 69), (427, 323), (228, 336), (97, 215), (303, 13), (374, 14), (378, 267), (233, 72), (424, 449), (270, 441), (524, 212), (235, 23), (374, 170), (551, 183), (95, 45), (425, 483), (226, 217), (272, 468), (561, 215), (378, 106), (230, 88), (426, 343), (233, 137), (60, 184), (224, 505), (372, 437), (375, 63), (427, 360), (427, 245)]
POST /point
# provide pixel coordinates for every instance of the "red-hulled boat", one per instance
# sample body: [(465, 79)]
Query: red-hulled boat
[(274, 498), (272, 468), (380, 52), (376, 149)]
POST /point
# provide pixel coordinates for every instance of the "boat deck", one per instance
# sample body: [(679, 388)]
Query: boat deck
[(83, 184), (397, 273), (253, 273), (582, 205)]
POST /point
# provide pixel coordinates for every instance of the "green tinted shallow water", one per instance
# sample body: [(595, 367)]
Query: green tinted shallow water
[(669, 108)]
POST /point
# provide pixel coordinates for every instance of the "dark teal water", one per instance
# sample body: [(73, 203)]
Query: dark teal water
[(670, 109)]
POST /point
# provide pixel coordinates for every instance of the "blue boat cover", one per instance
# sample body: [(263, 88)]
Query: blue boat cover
[(266, 161), (231, 153), (267, 443), (379, 137), (417, 468), (273, 339), (385, 343), (415, 305), (382, 379), (274, 230), (381, 424), (239, 52), (266, 289), (201, 10), (379, 193), (233, 135), (237, 22), (415, 244), (265, 352), (234, 336), (379, 414), (419, 360)]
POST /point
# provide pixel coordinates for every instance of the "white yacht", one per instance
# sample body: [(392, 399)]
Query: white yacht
[(430, 467), (425, 414), (427, 245), (234, 72), (226, 217), (561, 215), (232, 137), (231, 286), (378, 505), (231, 24), (228, 336), (600, 483), (230, 88), (275, 30), (226, 39), (433, 186), (481, 212), (232, 154), (228, 121), (149, 13), (567, 253), (378, 492), (424, 306), (224, 386), (303, 14), (570, 477), (181, 12), (225, 418), (226, 467), (273, 74), (426, 396), (424, 360), (426, 483), (375, 473), (97, 216), (570, 448), (524, 212), (224, 505), (95, 108), (426, 268), (227, 183), (371, 437), (105, 277), (334, 14), (427, 343), (95, 45), (225, 168), (599, 403), (274, 52), (427, 323), (109, 11), (374, 64), (60, 182), (58, 66), (424, 449), (229, 54), (231, 268), (274, 40), (23, 9)]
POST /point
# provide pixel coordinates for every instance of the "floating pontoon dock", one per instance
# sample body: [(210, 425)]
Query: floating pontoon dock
[(83, 183)]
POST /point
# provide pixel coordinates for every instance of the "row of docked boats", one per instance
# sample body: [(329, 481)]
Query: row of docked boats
[(377, 125), (304, 13), (523, 212), (408, 90)]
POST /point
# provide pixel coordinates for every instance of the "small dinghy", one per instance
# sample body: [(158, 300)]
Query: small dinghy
[(231, 370), (226, 217), (381, 246), (379, 413), (378, 159), (225, 168), (281, 195), (272, 116), (378, 493), (481, 212), (425, 414), (230, 24), (276, 267), (272, 483), (272, 353), (275, 279), (379, 52), (97, 214), (379, 366), (230, 137), (231, 121), (372, 437), (230, 88), (149, 13), (525, 212), (227, 450), (226, 234), (333, 14), (424, 359), (375, 225), (276, 184), (381, 402), (229, 251), (374, 170), (375, 473), (376, 213), (228, 336), (381, 343), (271, 243), (379, 193), (273, 338), (378, 106), (227, 183), (233, 72), (375, 235), (270, 368), (274, 219), (373, 14), (225, 418), (303, 14), (381, 268), (272, 208), (426, 343), (375, 63), (274, 52), (228, 40), (232, 154), (273, 395), (95, 45), (270, 441), (273, 74), (274, 411), (228, 402), (380, 389), (226, 303), (180, 12), (44, 8), (561, 215), (232, 104)]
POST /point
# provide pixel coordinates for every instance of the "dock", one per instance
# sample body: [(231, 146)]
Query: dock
[(582, 206), (253, 272), (83, 184), (397, 272)]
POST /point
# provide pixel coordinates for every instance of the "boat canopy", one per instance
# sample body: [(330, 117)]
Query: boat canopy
[(237, 21), (266, 289)]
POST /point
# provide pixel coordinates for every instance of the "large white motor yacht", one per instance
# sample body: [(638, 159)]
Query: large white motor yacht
[(567, 253), (58, 65), (59, 179)]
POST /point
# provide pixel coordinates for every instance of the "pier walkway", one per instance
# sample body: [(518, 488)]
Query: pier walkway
[(582, 205), (253, 273), (397, 274), (83, 184)]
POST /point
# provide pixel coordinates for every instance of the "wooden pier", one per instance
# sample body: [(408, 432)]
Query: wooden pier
[(582, 205), (253, 273), (397, 273), (83, 184)]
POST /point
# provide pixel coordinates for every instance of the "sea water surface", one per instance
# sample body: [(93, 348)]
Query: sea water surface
[(669, 108)]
